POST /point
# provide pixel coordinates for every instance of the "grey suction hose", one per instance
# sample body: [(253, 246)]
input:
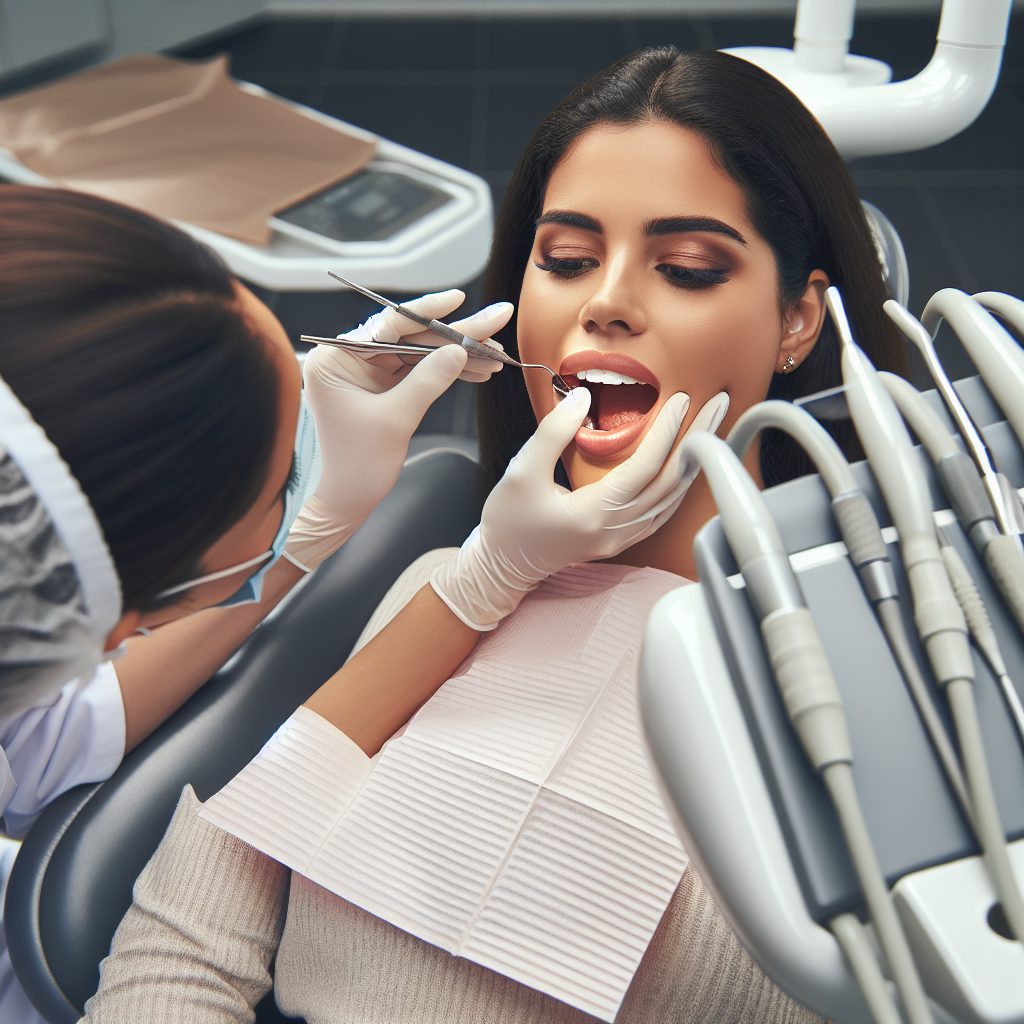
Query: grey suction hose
[(962, 485), (806, 683), (863, 539), (940, 621)]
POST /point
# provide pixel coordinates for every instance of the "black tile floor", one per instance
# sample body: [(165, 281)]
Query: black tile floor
[(471, 90)]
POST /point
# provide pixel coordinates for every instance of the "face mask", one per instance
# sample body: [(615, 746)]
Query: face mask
[(305, 475)]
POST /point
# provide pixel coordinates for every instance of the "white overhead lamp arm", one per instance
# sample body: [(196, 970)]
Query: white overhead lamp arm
[(865, 113)]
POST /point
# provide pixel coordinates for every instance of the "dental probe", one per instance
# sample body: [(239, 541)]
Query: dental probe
[(916, 332), (962, 484), (443, 330), (376, 347), (806, 684), (937, 614), (990, 346), (862, 536)]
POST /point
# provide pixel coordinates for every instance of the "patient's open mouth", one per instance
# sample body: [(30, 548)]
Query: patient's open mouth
[(623, 393)]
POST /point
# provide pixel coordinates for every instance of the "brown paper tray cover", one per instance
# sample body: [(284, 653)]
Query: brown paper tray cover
[(180, 140)]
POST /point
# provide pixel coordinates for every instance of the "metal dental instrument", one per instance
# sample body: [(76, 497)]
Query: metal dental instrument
[(376, 347), (442, 330), (916, 332)]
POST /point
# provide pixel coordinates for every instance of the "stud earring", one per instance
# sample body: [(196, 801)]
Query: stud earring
[(789, 365)]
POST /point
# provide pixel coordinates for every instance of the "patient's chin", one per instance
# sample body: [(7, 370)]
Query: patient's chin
[(582, 469)]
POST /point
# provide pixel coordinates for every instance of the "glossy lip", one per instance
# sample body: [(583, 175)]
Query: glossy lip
[(607, 444)]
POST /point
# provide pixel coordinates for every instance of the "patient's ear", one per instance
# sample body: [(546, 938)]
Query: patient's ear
[(802, 323)]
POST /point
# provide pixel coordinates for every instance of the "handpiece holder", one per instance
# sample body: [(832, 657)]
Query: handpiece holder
[(749, 807), (866, 114)]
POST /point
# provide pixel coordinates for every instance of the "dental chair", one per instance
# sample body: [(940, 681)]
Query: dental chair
[(72, 881)]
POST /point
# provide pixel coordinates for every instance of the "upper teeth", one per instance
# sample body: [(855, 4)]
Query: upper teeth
[(604, 377)]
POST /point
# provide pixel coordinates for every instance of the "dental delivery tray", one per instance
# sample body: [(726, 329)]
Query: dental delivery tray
[(283, 192), (755, 817)]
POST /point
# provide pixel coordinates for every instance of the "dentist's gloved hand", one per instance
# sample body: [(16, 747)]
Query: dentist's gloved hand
[(366, 411), (531, 527)]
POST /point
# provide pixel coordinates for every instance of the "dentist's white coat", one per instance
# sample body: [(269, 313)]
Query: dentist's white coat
[(74, 736)]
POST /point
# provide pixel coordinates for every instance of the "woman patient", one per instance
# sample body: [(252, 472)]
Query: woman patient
[(671, 227)]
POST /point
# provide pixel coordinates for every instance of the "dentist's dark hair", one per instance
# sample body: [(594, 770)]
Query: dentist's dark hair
[(123, 338), (799, 196)]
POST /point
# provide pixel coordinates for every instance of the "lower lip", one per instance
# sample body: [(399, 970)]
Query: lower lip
[(607, 444)]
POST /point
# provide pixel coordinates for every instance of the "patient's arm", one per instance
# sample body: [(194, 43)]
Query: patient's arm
[(382, 685), (197, 942)]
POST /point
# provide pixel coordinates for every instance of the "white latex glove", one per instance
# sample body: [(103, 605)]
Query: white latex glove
[(366, 409), (531, 527)]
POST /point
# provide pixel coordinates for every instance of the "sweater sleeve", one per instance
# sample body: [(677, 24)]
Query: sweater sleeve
[(197, 942)]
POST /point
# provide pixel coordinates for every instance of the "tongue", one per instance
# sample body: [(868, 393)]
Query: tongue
[(623, 404)]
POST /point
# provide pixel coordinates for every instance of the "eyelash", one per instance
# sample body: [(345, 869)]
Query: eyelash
[(679, 277)]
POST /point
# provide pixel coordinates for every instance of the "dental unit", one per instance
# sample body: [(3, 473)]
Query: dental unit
[(939, 619), (801, 615)]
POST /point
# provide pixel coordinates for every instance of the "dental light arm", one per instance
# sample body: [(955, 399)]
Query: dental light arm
[(807, 686), (862, 536), (937, 614), (863, 112)]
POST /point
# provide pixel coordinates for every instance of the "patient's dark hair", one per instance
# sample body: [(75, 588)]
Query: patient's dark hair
[(124, 339), (798, 193)]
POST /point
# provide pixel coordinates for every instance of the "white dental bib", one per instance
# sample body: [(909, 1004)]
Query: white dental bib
[(515, 821)]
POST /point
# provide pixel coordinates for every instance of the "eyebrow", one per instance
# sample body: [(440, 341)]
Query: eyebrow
[(652, 228), (678, 225)]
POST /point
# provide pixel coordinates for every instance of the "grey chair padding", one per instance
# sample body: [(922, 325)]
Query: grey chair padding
[(72, 880)]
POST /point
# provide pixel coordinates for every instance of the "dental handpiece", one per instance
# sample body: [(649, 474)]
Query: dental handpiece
[(862, 535), (963, 486), (994, 485), (443, 330), (1008, 308), (807, 686), (937, 613), (990, 346)]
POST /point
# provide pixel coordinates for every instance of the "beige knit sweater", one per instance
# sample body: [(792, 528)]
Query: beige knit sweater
[(210, 913)]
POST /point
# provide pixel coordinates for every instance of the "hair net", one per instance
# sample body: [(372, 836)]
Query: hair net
[(59, 591)]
